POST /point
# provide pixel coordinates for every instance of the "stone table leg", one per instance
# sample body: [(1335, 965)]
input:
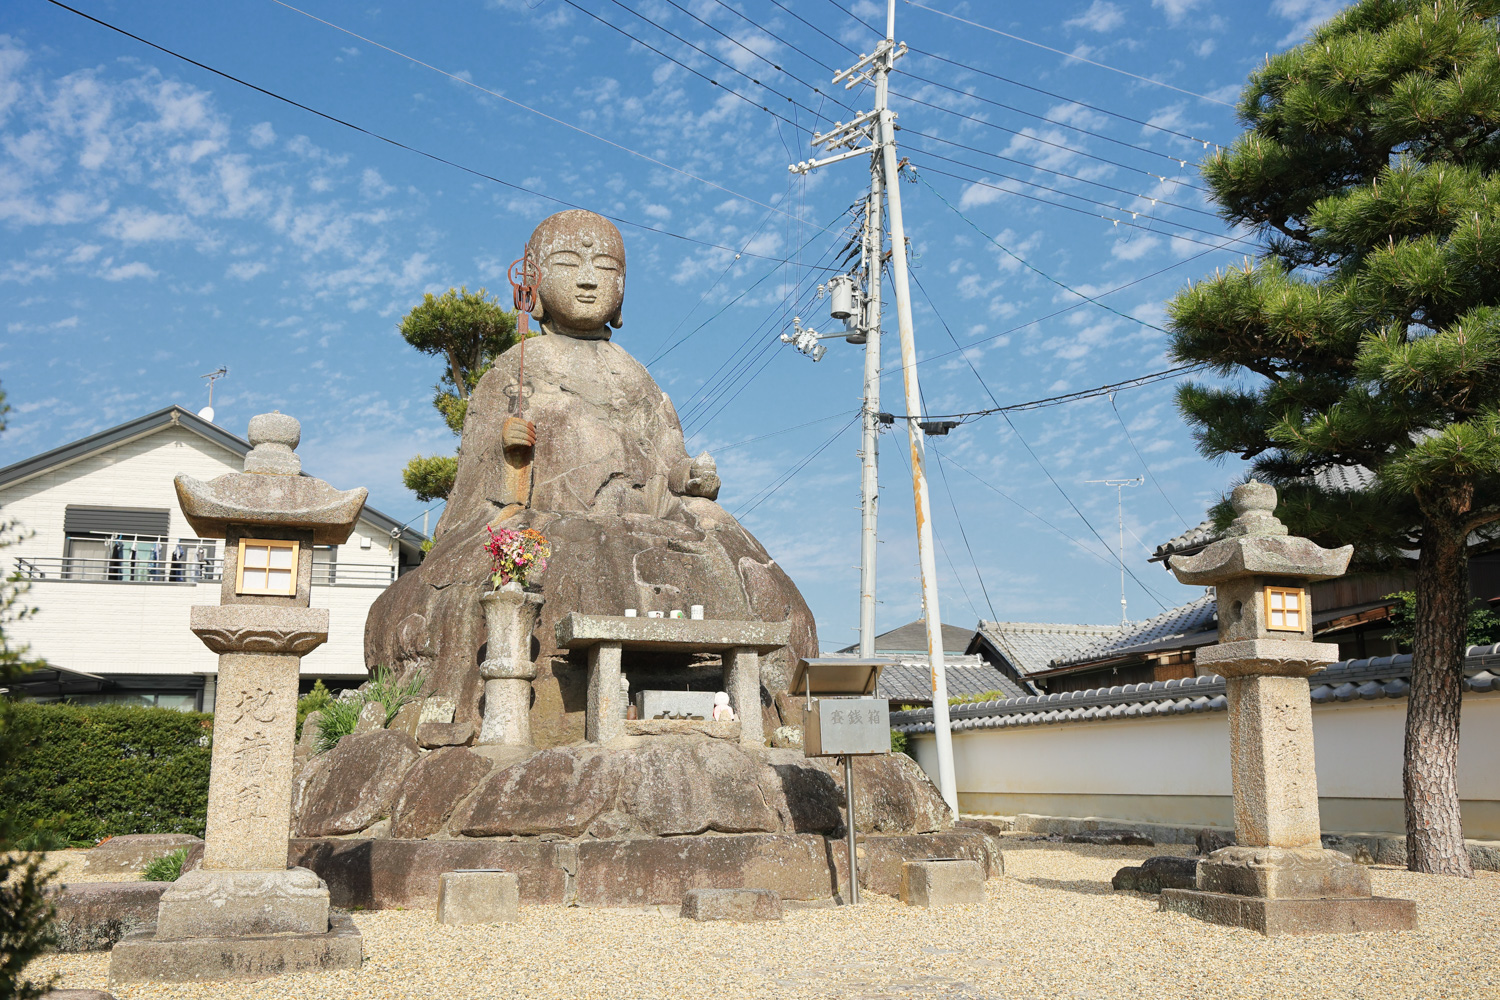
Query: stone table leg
[(742, 682), (604, 720)]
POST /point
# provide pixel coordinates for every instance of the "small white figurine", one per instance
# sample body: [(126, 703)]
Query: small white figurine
[(722, 711)]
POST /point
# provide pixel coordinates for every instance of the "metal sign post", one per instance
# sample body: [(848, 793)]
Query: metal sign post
[(846, 723)]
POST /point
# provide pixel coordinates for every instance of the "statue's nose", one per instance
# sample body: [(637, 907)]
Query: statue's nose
[(588, 277)]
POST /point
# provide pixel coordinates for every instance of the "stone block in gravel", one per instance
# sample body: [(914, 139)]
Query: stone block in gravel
[(93, 916), (731, 904), (1110, 838), (140, 957), (431, 789), (133, 852), (942, 883), (880, 864), (1155, 874), (478, 897), (78, 995), (353, 785)]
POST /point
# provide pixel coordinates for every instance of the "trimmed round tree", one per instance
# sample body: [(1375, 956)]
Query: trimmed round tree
[(1364, 345)]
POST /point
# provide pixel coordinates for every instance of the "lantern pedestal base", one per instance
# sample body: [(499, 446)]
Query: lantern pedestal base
[(1275, 917)]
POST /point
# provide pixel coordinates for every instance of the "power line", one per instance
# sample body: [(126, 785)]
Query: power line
[(813, 87), (733, 69), (396, 142), (768, 32), (766, 494), (958, 518), (1069, 55), (813, 26), (525, 107), (1006, 416), (679, 62), (720, 449), (1067, 397), (1096, 215), (1006, 496), (1144, 465), (1069, 194), (1063, 97), (1030, 114)]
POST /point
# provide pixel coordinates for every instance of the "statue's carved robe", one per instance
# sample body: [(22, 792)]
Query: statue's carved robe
[(608, 479)]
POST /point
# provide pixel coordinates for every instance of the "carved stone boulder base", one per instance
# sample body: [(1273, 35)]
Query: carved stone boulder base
[(244, 914), (1278, 879)]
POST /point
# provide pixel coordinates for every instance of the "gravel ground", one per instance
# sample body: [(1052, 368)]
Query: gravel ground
[(1050, 928)]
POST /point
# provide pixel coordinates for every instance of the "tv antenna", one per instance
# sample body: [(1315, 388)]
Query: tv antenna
[(207, 413), (1119, 485)]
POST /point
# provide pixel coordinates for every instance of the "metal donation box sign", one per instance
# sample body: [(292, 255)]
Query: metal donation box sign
[(835, 727)]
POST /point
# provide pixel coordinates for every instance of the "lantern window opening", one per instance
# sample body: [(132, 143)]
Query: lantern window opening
[(267, 567), (1285, 609)]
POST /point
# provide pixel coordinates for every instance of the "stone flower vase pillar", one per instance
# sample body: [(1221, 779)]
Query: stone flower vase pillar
[(244, 913), (1278, 878), (508, 670)]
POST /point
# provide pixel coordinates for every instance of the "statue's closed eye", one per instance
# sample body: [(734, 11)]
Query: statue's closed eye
[(564, 258), (604, 262)]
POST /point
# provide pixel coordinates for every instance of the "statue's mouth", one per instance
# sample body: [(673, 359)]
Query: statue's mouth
[(586, 298)]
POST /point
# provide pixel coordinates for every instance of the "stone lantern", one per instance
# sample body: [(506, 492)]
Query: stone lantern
[(244, 913), (1277, 878)]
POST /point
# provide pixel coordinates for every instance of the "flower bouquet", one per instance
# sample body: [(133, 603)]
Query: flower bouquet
[(516, 555)]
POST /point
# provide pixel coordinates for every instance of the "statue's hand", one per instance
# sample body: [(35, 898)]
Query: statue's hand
[(703, 478), (518, 433)]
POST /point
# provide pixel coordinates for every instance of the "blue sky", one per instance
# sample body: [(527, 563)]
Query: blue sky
[(158, 221)]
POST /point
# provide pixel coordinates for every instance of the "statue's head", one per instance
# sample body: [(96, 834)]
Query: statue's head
[(582, 285)]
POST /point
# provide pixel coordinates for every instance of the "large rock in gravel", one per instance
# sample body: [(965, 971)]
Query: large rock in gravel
[(353, 785), (670, 786), (1155, 874), (609, 474), (433, 788)]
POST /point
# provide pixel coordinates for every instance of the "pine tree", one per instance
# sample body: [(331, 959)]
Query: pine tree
[(1365, 343), (468, 330)]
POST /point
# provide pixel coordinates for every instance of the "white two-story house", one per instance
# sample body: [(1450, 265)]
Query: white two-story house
[(113, 566)]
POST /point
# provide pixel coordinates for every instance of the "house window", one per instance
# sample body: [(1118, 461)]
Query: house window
[(325, 565), (1285, 609), (267, 567)]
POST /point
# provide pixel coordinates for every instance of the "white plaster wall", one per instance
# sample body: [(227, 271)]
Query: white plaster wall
[(1175, 769), (121, 627)]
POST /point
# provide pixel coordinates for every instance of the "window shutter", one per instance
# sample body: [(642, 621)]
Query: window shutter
[(115, 521)]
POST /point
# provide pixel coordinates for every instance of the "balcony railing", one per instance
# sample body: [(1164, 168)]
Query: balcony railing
[(81, 569)]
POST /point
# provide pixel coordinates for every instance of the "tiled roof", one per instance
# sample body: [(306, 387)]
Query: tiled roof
[(1031, 647), (912, 638), (1189, 541), (1349, 680), (1189, 625), (911, 680)]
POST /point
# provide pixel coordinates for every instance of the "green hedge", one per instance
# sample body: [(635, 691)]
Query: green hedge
[(104, 770)]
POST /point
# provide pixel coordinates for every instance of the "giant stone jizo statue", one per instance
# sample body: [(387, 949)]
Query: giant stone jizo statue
[(591, 454)]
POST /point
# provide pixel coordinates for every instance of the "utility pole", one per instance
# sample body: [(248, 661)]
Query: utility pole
[(879, 126), (1119, 485), (869, 479)]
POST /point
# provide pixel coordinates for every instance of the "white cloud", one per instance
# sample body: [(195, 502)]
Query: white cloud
[(1176, 10), (1305, 15), (1101, 16), (1133, 247), (135, 269), (373, 186), (141, 225), (262, 135), (246, 269)]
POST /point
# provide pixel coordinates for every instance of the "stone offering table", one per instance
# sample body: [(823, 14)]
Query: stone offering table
[(1278, 878), (741, 643), (244, 914)]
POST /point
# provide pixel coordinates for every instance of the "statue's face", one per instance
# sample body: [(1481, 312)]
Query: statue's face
[(582, 262)]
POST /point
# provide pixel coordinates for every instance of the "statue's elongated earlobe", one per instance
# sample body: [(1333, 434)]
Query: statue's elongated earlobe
[(537, 312), (616, 321)]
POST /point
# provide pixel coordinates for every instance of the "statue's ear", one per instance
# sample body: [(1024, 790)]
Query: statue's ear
[(537, 312), (616, 321)]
